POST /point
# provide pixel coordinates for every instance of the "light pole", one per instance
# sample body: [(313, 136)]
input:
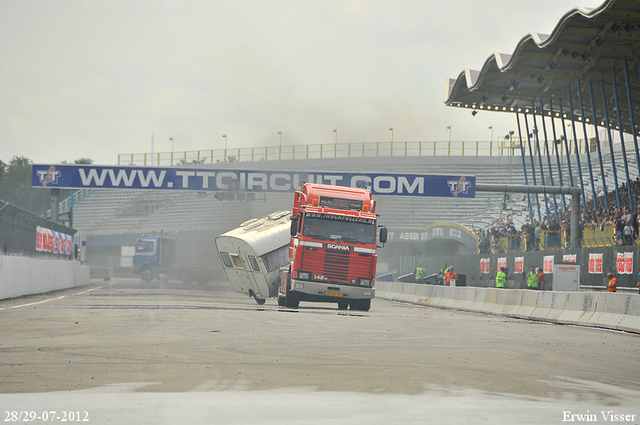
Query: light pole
[(491, 128), (335, 147), (449, 128), (391, 130), (224, 136), (171, 138), (280, 155)]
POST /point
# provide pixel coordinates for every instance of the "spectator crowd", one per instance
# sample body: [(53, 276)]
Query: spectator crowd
[(503, 235)]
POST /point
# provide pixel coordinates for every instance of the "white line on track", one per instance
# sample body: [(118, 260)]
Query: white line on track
[(50, 299)]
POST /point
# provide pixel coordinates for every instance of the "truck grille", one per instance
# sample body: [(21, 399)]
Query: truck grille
[(337, 266)]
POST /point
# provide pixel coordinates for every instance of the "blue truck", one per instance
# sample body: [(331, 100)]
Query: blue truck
[(177, 258)]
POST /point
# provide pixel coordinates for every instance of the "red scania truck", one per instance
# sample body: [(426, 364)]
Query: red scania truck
[(333, 248)]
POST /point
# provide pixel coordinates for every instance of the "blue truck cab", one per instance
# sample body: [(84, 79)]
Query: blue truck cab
[(154, 258)]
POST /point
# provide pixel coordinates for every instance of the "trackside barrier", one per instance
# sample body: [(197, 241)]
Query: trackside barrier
[(615, 307), (631, 322), (606, 310), (543, 306), (25, 276), (527, 304)]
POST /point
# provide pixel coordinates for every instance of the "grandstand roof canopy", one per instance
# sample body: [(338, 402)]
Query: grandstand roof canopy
[(586, 45)]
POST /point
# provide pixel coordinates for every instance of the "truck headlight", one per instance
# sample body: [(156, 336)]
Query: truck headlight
[(364, 282), (304, 275)]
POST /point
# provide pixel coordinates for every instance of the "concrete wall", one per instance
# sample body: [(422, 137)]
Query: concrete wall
[(24, 276), (600, 309)]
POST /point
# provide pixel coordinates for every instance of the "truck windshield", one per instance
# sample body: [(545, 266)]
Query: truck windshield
[(145, 247), (335, 227)]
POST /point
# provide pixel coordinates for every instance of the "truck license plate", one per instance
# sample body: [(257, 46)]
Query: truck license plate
[(333, 294)]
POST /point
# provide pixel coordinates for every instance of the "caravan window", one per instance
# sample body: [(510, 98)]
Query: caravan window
[(237, 262), (277, 258), (254, 263), (226, 260)]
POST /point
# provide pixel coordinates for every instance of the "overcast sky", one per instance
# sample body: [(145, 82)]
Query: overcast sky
[(94, 79)]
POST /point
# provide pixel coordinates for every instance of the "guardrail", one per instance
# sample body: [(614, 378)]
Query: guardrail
[(500, 147)]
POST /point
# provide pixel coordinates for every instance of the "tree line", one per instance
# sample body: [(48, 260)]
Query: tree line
[(15, 185)]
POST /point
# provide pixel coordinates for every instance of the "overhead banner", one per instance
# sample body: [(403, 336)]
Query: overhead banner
[(66, 176)]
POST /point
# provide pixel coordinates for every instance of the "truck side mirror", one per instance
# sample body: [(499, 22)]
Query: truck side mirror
[(294, 225), (383, 234)]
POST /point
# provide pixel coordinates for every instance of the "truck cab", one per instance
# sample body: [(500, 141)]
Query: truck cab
[(152, 256), (334, 236)]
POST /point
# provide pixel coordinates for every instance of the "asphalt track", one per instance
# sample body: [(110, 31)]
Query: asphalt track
[(125, 351)]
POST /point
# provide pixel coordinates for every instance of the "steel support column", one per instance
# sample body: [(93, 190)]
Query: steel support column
[(555, 146), (586, 139), (533, 167), (595, 124), (524, 165), (624, 149), (634, 131), (546, 148), (567, 146), (537, 138), (607, 123), (575, 143)]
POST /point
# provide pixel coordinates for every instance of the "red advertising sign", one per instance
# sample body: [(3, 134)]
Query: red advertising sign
[(547, 267), (485, 265), (518, 264), (595, 263)]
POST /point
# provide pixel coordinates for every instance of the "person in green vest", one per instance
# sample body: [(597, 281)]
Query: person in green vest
[(532, 279), (420, 274), (442, 273), (501, 278)]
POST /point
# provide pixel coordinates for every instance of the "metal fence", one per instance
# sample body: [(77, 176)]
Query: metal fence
[(18, 232), (469, 265), (500, 147)]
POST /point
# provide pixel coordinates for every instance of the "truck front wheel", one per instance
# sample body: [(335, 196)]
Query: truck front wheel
[(291, 299), (361, 305), (146, 275)]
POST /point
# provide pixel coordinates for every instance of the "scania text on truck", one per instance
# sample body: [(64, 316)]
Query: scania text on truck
[(253, 253), (333, 248)]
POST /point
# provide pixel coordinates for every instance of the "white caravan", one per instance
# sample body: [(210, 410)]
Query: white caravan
[(253, 253)]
